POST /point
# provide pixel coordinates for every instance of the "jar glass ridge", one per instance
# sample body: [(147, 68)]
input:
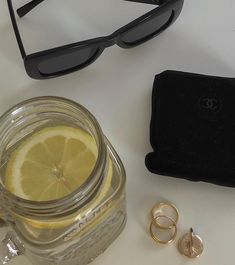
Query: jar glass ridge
[(76, 228)]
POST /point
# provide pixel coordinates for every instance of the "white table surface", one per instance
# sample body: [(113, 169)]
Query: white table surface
[(117, 90)]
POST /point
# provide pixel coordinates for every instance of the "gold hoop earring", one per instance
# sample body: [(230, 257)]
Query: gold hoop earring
[(153, 234), (159, 207)]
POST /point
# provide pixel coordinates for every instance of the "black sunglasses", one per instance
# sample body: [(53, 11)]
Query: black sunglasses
[(68, 58)]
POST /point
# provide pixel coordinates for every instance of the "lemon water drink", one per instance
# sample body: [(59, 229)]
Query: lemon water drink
[(62, 183)]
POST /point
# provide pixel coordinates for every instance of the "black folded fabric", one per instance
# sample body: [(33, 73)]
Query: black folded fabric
[(192, 128)]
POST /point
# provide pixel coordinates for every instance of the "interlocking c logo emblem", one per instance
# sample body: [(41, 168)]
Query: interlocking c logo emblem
[(212, 104)]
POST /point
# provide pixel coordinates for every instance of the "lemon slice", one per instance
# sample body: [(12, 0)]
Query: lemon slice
[(59, 223), (51, 163)]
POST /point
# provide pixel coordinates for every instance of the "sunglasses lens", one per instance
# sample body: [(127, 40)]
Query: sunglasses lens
[(147, 29), (73, 59)]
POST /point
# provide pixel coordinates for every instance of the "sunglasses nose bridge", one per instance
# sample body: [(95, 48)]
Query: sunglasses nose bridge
[(110, 41)]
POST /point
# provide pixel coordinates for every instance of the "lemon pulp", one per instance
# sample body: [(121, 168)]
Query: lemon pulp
[(51, 163)]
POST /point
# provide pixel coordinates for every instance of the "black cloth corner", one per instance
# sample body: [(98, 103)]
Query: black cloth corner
[(192, 128)]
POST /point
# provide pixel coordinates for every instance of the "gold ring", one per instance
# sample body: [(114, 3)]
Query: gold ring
[(158, 240), (159, 206)]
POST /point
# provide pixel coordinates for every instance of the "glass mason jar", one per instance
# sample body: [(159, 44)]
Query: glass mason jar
[(78, 227)]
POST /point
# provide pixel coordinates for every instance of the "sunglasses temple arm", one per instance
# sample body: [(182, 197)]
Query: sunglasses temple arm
[(16, 30), (25, 9)]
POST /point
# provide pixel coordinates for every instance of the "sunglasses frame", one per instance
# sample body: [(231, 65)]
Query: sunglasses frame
[(32, 61)]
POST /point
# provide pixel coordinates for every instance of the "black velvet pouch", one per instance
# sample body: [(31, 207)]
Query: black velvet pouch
[(192, 128)]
